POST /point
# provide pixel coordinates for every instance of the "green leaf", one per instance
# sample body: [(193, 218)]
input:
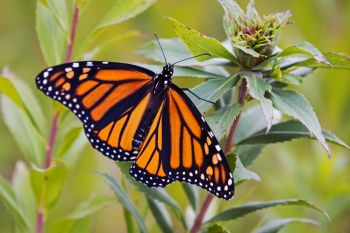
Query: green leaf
[(104, 45), (24, 193), (305, 48), (184, 71), (60, 11), (286, 131), (192, 194), (292, 79), (221, 120), (8, 197), (248, 153), (130, 222), (198, 43), (29, 140), (78, 215), (69, 140), (248, 208), (251, 121), (91, 206), (123, 10), (31, 103), (251, 11), (295, 105), (124, 199), (174, 50), (51, 36), (211, 90), (160, 213), (155, 193), (337, 61), (217, 229), (249, 51), (7, 88), (257, 87), (48, 183), (275, 225), (241, 174), (120, 11), (233, 13)]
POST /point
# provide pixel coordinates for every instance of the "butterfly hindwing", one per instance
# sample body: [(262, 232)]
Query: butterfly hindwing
[(109, 98), (193, 154), (148, 167)]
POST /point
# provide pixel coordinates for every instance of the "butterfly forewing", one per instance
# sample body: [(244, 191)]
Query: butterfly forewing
[(192, 154), (109, 98)]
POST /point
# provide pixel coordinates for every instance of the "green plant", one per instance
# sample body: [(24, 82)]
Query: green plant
[(249, 69)]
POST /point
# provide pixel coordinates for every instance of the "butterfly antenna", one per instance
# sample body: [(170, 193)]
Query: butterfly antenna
[(203, 54), (160, 46)]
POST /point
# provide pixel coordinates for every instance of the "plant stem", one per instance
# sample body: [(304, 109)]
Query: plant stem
[(229, 143), (52, 139), (54, 124), (72, 34), (40, 222)]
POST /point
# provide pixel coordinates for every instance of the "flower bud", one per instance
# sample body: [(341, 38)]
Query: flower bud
[(253, 38)]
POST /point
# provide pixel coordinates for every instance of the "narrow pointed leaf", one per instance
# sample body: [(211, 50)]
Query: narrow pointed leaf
[(295, 105), (286, 131), (155, 193), (124, 199), (308, 49), (198, 43), (337, 60), (240, 173), (122, 10), (211, 90), (50, 181), (217, 229), (251, 11), (192, 194), (275, 225), (221, 120), (7, 88), (24, 193), (248, 153), (8, 197), (29, 140), (257, 87), (91, 206), (81, 212), (51, 36), (160, 213), (237, 212), (60, 11)]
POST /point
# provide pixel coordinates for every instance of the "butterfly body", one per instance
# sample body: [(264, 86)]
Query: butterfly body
[(133, 114)]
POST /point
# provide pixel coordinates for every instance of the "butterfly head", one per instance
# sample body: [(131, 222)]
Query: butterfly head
[(167, 72)]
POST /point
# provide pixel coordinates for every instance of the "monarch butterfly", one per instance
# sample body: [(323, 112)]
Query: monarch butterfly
[(133, 114)]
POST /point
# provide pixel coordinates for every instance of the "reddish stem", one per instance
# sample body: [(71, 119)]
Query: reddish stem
[(72, 34), (54, 125), (52, 139), (229, 143), (40, 222)]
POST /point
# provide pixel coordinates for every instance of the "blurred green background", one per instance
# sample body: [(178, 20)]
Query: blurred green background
[(299, 169)]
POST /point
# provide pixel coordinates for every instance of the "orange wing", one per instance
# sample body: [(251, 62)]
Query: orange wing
[(110, 98), (193, 154), (148, 167)]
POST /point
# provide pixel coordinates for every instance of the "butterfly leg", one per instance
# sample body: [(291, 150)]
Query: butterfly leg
[(186, 89)]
